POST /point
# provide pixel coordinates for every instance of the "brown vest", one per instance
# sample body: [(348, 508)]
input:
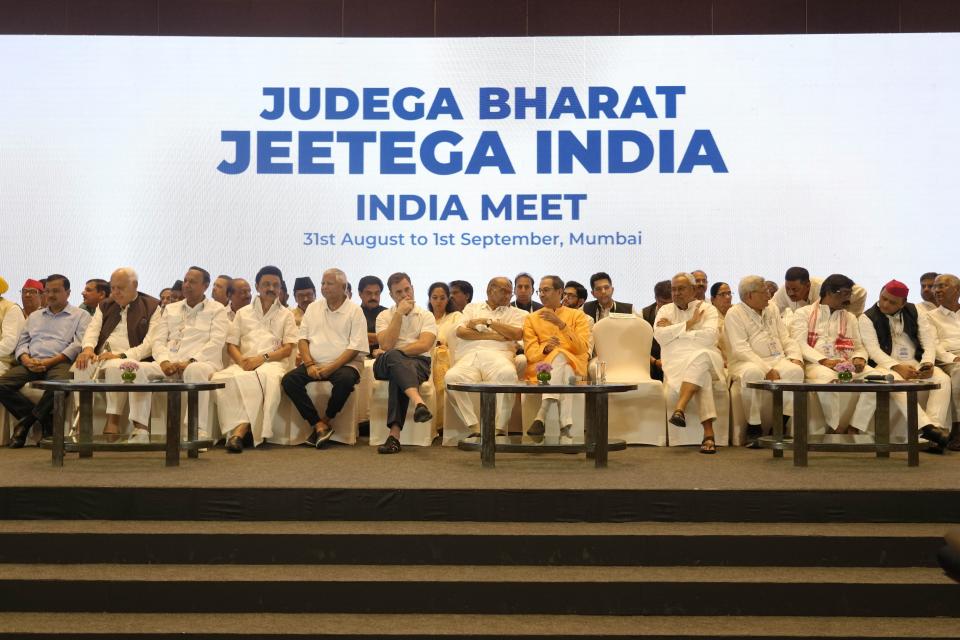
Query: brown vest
[(139, 313)]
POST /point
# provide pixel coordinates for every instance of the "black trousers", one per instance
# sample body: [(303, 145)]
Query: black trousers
[(19, 405), (295, 383), (403, 372)]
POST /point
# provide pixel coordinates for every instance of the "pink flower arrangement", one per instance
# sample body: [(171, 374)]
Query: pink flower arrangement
[(544, 367), (129, 366), (845, 366)]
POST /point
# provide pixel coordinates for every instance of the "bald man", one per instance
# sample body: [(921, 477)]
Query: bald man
[(489, 332), (117, 332), (946, 320)]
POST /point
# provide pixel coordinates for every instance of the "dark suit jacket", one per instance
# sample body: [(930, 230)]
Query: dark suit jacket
[(592, 309)]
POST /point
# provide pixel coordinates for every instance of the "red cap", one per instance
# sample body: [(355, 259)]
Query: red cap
[(33, 284), (897, 288)]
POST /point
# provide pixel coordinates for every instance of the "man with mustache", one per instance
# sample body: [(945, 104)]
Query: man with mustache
[(800, 290), (829, 334), (260, 339)]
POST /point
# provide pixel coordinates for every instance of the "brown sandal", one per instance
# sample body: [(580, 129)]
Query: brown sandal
[(713, 445)]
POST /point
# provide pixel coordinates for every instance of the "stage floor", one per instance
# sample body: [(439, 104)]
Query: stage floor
[(357, 467)]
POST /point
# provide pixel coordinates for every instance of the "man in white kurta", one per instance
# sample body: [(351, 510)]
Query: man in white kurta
[(828, 334), (901, 342), (121, 330), (488, 335), (687, 330), (928, 299), (11, 323), (759, 347), (946, 320), (800, 290), (260, 340), (188, 346)]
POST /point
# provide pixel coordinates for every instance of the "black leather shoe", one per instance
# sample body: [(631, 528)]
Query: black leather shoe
[(937, 436), (422, 413), (19, 437), (234, 444)]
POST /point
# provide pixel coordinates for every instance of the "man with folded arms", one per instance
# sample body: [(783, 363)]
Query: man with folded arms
[(120, 330), (901, 342), (488, 335), (946, 320), (46, 347), (406, 333), (829, 334), (687, 330), (332, 345), (188, 345), (760, 347), (259, 341), (560, 336)]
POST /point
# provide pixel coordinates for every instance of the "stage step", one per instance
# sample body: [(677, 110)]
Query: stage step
[(94, 626), (363, 589), (475, 543)]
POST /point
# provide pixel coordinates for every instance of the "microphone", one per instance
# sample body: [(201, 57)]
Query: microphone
[(877, 377)]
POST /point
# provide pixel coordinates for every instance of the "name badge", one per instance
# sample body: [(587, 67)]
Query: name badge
[(903, 353)]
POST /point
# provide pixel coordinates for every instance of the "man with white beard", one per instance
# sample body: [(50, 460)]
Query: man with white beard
[(260, 340), (760, 347), (687, 330)]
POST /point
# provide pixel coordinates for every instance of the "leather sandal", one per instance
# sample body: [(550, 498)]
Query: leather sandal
[(713, 445), (678, 419), (234, 444)]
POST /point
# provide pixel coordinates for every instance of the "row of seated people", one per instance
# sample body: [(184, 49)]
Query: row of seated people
[(186, 342)]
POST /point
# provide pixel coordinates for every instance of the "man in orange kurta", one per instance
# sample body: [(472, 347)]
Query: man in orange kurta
[(560, 336)]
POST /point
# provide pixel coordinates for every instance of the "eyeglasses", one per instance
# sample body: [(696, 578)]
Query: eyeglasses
[(545, 290), (29, 292)]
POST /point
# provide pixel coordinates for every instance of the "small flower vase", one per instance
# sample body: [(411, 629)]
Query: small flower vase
[(128, 376), (543, 377), (844, 376)]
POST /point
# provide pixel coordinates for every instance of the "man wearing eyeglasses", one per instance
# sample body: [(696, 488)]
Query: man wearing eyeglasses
[(46, 347), (560, 336)]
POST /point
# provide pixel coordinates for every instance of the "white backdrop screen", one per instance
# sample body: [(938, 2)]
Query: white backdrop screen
[(469, 158)]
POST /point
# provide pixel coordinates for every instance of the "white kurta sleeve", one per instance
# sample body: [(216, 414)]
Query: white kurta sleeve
[(667, 334), (928, 338), (212, 350), (798, 329), (791, 349), (291, 333), (358, 331), (92, 333), (737, 338), (12, 326), (160, 348), (868, 335), (853, 327), (145, 348)]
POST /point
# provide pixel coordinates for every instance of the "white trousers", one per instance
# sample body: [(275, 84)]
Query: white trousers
[(753, 398), (830, 401), (195, 372), (559, 375), (250, 397), (938, 401), (699, 371), (483, 366)]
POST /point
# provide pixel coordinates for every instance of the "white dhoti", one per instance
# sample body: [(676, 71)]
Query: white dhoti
[(483, 366), (701, 367), (749, 372), (937, 410), (250, 397), (830, 402), (560, 374), (195, 372)]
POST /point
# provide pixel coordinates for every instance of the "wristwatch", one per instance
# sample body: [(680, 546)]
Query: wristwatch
[(266, 357)]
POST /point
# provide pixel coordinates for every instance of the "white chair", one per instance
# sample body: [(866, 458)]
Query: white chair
[(291, 429), (623, 343), (414, 433), (364, 390)]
